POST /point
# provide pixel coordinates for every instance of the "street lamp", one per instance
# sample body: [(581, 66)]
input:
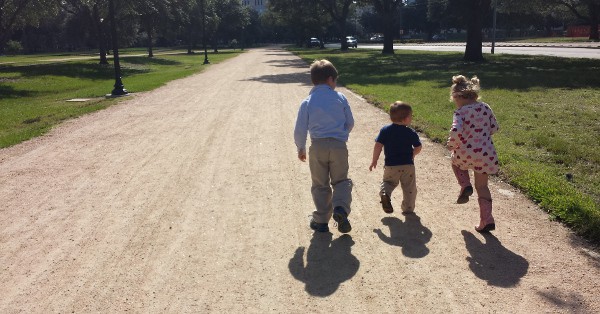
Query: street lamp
[(355, 19), (204, 32), (494, 27), (118, 90)]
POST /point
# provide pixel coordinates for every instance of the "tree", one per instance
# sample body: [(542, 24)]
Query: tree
[(586, 10), (388, 9), (151, 13), (415, 17), (95, 13), (230, 19), (16, 14), (189, 14), (476, 10), (301, 19), (338, 10), (472, 13)]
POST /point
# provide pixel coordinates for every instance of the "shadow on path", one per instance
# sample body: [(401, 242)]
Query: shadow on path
[(290, 63), (410, 234), (571, 301), (290, 78), (492, 262), (328, 264)]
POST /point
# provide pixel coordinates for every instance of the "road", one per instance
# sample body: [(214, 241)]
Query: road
[(190, 199), (557, 50)]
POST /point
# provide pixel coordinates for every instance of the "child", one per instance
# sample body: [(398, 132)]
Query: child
[(472, 148), (400, 145), (326, 115)]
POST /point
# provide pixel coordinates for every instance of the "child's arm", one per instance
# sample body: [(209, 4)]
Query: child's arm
[(493, 123), (454, 139), (376, 152), (301, 131), (417, 150)]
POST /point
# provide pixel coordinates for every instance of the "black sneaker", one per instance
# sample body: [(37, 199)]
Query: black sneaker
[(464, 195), (386, 203), (341, 217), (319, 227)]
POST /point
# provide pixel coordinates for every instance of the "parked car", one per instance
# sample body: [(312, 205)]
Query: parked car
[(439, 37), (376, 38), (351, 41), (314, 42)]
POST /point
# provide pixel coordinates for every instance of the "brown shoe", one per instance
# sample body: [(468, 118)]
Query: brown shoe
[(386, 203)]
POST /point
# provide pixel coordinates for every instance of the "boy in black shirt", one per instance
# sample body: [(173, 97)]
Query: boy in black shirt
[(400, 145)]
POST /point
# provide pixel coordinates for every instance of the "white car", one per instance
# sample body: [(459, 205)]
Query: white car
[(351, 41)]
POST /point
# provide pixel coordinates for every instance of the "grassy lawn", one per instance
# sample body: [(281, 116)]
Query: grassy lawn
[(33, 96), (80, 55), (548, 109)]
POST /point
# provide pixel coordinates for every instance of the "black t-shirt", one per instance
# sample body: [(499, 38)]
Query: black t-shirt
[(398, 144)]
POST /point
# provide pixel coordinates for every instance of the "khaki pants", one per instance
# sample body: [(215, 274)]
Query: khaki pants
[(328, 161), (405, 176)]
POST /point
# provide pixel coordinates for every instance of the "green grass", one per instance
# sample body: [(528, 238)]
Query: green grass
[(66, 56), (33, 96), (548, 109)]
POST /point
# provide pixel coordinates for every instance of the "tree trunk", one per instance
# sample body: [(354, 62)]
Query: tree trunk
[(102, 45), (594, 12), (388, 43), (190, 40), (4, 37), (150, 52), (387, 10), (2, 46), (473, 51), (99, 28), (388, 32), (342, 28)]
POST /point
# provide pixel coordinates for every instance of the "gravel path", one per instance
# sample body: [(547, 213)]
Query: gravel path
[(190, 199)]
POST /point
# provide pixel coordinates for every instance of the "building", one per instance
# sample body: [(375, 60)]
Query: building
[(259, 5)]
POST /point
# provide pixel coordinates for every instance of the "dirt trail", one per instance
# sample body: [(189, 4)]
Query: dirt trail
[(190, 199)]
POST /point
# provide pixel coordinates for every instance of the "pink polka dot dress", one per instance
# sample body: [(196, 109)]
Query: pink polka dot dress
[(471, 138)]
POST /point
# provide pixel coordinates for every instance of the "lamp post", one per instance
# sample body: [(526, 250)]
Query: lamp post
[(355, 19), (118, 90), (204, 32), (494, 27)]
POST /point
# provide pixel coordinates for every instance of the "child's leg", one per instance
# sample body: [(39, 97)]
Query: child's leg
[(318, 161), (462, 176), (466, 190), (484, 199), (388, 185), (338, 167), (391, 179), (408, 182)]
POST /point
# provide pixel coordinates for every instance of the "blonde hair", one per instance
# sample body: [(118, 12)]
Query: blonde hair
[(465, 88), (321, 70), (399, 111)]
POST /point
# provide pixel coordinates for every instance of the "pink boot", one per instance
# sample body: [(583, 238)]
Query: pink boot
[(486, 222), (466, 190)]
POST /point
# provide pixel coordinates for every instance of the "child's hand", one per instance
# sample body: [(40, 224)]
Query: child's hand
[(302, 156), (373, 166)]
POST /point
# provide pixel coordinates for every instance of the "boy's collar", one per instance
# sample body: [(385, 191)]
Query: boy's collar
[(320, 86)]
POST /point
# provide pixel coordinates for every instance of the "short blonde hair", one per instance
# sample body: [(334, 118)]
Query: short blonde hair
[(399, 111), (321, 70), (465, 88)]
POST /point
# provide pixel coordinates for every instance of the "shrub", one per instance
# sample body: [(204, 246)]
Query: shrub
[(13, 47)]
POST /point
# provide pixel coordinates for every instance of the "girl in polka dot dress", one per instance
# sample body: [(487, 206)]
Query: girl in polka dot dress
[(471, 144)]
